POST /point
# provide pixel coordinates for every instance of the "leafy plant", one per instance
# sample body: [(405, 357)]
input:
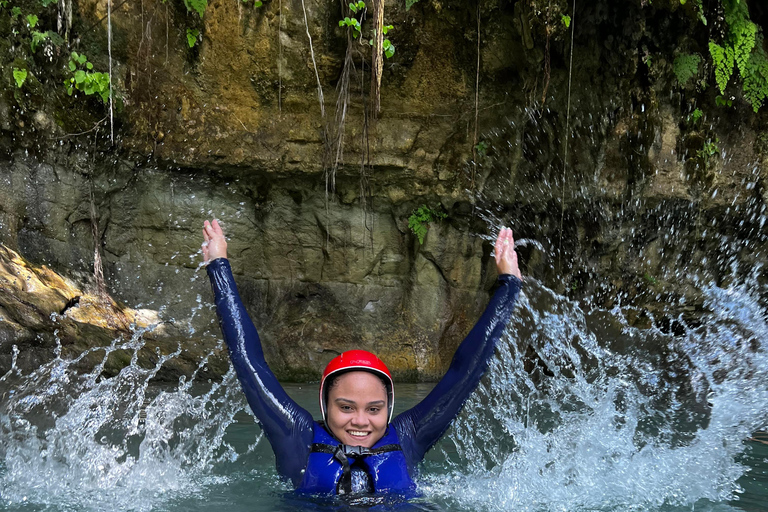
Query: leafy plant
[(650, 279), (197, 6), (409, 4), (192, 35), (357, 6), (708, 150), (15, 12), (86, 80), (695, 116), (20, 75), (721, 101), (685, 67), (481, 148), (388, 47), (40, 37), (353, 23), (742, 49), (566, 20), (31, 20), (420, 219)]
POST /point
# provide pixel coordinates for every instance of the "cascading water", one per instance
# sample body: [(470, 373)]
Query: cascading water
[(580, 411)]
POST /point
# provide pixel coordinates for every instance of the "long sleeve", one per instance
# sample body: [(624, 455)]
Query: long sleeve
[(420, 427), (288, 427)]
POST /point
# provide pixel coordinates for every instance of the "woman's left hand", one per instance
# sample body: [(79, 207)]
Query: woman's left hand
[(215, 245), (506, 257)]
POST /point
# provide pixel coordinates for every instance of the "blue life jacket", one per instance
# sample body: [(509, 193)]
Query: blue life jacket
[(331, 464)]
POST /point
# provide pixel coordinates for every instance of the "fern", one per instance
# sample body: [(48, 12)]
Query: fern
[(686, 66), (724, 62), (741, 32), (755, 76), (420, 219)]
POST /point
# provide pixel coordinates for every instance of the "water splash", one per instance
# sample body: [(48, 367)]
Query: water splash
[(580, 411), (583, 412), (86, 442)]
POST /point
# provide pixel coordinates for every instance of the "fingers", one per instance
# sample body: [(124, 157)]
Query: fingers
[(217, 228)]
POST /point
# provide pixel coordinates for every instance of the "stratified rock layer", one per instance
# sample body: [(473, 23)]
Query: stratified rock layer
[(642, 207)]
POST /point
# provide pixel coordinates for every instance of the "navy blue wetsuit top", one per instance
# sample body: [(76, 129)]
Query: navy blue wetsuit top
[(289, 427)]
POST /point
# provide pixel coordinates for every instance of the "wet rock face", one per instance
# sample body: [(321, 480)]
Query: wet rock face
[(638, 214)]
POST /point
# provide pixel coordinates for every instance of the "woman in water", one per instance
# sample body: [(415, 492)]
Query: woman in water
[(357, 447)]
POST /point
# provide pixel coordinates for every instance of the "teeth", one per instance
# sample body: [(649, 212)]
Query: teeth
[(357, 433)]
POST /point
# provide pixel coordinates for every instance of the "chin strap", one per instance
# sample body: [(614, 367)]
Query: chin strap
[(343, 452)]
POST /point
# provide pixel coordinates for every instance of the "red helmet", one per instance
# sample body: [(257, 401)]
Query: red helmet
[(352, 360)]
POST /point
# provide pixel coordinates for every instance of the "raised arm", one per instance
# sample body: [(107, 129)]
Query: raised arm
[(422, 426), (287, 426)]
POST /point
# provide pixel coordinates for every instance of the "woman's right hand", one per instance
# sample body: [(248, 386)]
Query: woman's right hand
[(215, 245)]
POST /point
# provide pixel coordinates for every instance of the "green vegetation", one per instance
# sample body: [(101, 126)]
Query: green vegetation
[(197, 6), (20, 76), (685, 67), (566, 20), (409, 4), (650, 279), (353, 23), (357, 28), (741, 49), (420, 219), (192, 35), (84, 79), (721, 101), (695, 116), (708, 151)]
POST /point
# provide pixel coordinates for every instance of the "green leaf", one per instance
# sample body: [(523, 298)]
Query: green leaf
[(54, 38), (46, 3), (257, 3), (79, 76), (16, 12), (82, 58), (389, 52), (192, 34), (37, 38), (566, 20), (353, 8), (386, 28), (409, 4), (88, 65), (20, 75), (197, 6), (72, 66), (32, 20)]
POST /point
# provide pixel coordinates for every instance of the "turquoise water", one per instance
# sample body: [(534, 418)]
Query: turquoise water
[(605, 418)]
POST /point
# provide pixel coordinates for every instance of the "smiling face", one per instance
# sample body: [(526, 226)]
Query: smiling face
[(357, 409)]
